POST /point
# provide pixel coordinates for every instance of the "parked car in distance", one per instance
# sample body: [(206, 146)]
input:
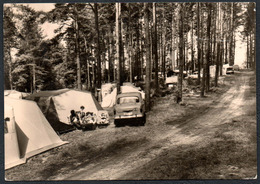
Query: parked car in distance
[(129, 109), (230, 70)]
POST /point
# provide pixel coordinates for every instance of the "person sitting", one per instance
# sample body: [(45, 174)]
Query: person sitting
[(74, 119), (82, 113)]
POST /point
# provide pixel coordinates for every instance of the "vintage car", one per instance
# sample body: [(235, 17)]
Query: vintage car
[(129, 109)]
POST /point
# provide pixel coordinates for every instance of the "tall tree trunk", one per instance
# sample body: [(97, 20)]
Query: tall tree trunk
[(109, 51), (155, 52), (138, 54), (130, 44), (181, 51), (217, 35), (103, 60), (10, 69), (87, 63), (208, 49), (141, 62), (217, 64), (186, 51), (93, 76), (221, 24), (204, 65), (148, 57), (122, 49), (163, 44), (79, 86), (231, 36), (115, 59), (247, 52), (34, 77), (221, 59), (177, 38), (233, 39), (251, 51), (192, 51), (214, 35), (131, 58), (161, 49), (118, 48), (198, 41), (173, 40), (98, 53), (226, 49), (253, 47)]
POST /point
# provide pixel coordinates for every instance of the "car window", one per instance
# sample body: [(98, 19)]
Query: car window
[(126, 100)]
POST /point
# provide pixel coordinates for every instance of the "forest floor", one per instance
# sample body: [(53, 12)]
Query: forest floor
[(204, 138)]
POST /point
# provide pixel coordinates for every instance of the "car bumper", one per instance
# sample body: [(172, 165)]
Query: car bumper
[(129, 116), (229, 72)]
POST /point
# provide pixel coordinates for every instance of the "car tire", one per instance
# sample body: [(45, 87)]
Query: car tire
[(117, 123)]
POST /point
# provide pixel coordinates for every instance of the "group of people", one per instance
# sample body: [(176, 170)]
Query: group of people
[(81, 118)]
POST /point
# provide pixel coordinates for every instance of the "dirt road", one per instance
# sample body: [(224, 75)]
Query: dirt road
[(197, 130)]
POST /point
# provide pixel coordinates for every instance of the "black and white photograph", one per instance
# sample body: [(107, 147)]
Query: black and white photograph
[(129, 91)]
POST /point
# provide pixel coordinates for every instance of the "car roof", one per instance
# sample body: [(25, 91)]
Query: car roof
[(129, 94)]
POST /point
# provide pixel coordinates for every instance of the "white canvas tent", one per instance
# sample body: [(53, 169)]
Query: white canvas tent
[(28, 133), (12, 153), (110, 99), (224, 69), (106, 89), (171, 80), (15, 94), (212, 70), (57, 104), (73, 100)]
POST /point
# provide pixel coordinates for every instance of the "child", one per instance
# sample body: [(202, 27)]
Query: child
[(74, 119)]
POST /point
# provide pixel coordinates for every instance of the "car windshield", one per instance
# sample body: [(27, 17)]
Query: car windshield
[(229, 69), (127, 100)]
